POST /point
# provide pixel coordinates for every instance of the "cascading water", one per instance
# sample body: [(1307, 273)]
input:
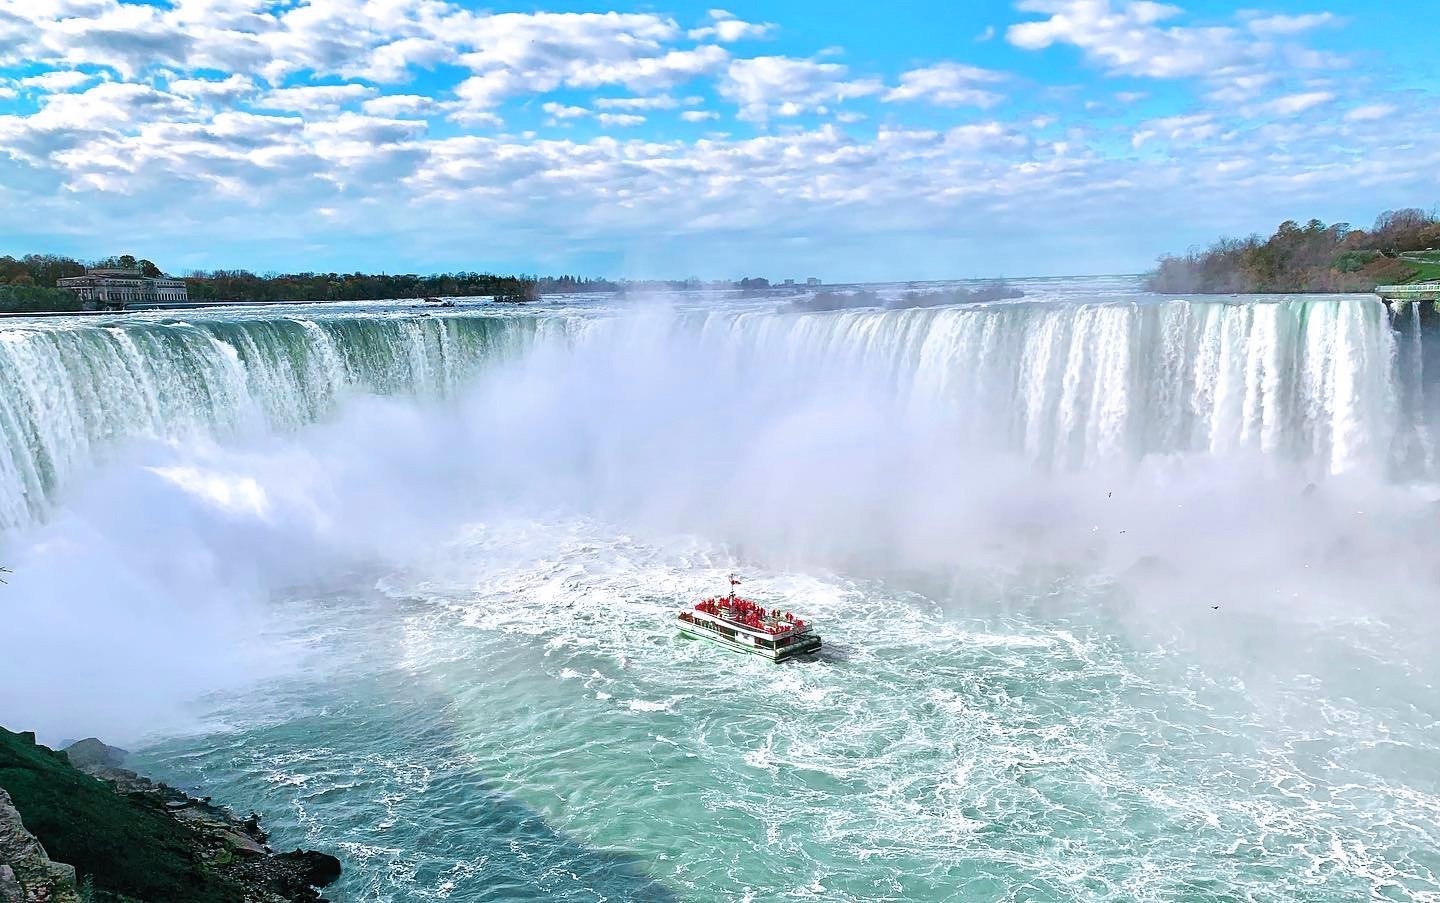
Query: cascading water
[(1123, 598), (69, 390), (1075, 385), (1062, 385)]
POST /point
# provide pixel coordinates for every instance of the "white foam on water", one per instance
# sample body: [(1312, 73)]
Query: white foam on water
[(1012, 525)]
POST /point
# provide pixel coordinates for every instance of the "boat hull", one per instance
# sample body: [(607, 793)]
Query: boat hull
[(806, 644)]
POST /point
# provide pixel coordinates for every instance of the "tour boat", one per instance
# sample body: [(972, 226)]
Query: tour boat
[(749, 627)]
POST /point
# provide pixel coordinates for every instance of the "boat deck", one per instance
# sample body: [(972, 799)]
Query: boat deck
[(735, 635)]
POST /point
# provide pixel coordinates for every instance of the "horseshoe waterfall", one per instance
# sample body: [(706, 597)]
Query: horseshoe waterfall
[(1123, 597)]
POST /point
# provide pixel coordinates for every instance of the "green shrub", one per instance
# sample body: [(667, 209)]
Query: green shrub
[(1353, 261), (121, 845), (35, 299)]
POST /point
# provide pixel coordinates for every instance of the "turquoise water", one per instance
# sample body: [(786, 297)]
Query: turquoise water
[(531, 727), (1122, 599)]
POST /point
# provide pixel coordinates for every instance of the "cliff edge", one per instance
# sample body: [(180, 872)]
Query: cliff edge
[(123, 837)]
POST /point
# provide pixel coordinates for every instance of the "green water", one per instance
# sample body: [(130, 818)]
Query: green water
[(1123, 598), (530, 726)]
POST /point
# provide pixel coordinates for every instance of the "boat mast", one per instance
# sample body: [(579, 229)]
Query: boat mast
[(734, 582)]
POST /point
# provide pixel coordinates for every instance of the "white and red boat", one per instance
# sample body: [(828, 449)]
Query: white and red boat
[(749, 627)]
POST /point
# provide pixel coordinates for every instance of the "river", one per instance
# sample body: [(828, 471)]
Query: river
[(1123, 597)]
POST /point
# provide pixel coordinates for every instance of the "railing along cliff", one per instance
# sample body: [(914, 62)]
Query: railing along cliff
[(1415, 291)]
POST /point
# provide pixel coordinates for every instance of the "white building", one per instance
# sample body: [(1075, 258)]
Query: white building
[(116, 288)]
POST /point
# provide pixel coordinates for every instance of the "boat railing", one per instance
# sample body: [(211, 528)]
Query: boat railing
[(722, 621)]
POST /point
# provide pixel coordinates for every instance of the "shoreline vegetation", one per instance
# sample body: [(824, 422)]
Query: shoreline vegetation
[(1400, 248), (117, 837), (28, 285)]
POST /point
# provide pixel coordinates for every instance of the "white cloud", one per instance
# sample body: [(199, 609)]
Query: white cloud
[(59, 80), (650, 73), (178, 129), (785, 86), (69, 126), (727, 28), (658, 72), (623, 120), (1370, 112), (1140, 38), (659, 102), (1177, 130), (561, 111), (370, 131), (1288, 25), (392, 62), (314, 98), (993, 136), (383, 41), (472, 118), (949, 85), (1291, 104), (226, 90), (111, 105), (987, 35), (515, 53), (1129, 40), (395, 105), (1241, 87)]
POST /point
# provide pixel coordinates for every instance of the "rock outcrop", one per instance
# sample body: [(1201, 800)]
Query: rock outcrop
[(91, 753), (135, 839), (26, 874)]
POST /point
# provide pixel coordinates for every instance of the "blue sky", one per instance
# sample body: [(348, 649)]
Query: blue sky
[(850, 141)]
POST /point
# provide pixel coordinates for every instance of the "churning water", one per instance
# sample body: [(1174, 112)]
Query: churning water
[(1123, 598)]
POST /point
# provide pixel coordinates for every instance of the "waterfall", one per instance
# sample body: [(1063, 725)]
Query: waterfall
[(1073, 386), (69, 390), (1308, 383)]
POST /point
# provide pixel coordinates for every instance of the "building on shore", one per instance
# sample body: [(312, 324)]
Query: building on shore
[(116, 288), (813, 281)]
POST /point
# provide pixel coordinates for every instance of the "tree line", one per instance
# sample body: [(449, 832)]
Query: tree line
[(29, 284), (243, 285), (1309, 258)]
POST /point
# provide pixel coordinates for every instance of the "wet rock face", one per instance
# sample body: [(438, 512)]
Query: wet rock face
[(26, 874), (316, 869)]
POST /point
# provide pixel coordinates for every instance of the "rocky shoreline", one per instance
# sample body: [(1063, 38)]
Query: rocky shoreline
[(199, 851)]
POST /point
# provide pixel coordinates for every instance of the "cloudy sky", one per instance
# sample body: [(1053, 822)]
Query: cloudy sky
[(925, 139)]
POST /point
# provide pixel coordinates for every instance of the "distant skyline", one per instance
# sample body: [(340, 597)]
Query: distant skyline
[(923, 140)]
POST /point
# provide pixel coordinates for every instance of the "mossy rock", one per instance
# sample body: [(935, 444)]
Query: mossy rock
[(125, 845)]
